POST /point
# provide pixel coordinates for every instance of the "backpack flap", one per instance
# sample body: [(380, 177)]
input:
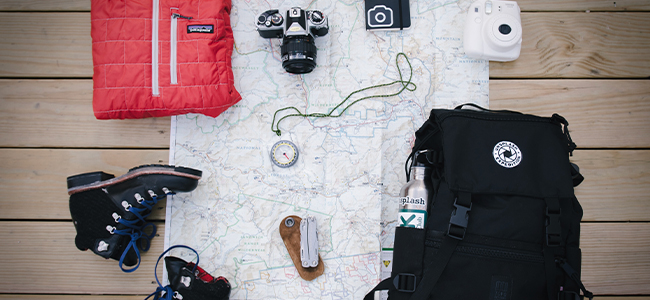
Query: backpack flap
[(505, 153)]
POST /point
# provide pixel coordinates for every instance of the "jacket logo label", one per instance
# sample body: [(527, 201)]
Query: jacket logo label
[(200, 28), (507, 154)]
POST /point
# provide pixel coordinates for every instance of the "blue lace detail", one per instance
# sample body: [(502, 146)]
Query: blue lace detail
[(148, 205), (169, 293), (137, 233), (135, 236)]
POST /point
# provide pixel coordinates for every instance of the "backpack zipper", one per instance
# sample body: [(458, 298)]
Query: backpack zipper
[(154, 49), (501, 254), (497, 253), (173, 74)]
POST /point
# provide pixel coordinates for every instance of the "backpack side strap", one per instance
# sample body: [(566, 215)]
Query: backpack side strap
[(456, 233), (407, 283), (382, 286), (434, 268)]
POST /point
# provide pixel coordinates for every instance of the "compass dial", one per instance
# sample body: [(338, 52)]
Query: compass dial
[(284, 154)]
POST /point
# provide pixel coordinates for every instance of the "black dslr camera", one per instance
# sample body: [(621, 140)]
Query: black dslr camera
[(298, 49)]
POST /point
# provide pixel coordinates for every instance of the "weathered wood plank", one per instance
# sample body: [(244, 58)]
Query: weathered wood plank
[(34, 185), (581, 45), (32, 250), (617, 185), (526, 5), (45, 45), (44, 259), (58, 113), (584, 5), (45, 5), (123, 297), (601, 113), (616, 258), (556, 45)]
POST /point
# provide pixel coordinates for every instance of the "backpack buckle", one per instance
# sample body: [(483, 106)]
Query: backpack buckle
[(405, 282), (553, 228), (458, 221)]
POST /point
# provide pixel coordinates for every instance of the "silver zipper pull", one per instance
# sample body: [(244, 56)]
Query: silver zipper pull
[(177, 15)]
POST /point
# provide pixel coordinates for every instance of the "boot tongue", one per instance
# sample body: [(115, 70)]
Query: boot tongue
[(200, 286), (176, 268)]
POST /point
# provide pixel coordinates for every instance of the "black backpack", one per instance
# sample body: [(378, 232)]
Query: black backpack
[(503, 221)]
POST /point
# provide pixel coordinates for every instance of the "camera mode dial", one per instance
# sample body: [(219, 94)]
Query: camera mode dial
[(316, 17), (276, 19)]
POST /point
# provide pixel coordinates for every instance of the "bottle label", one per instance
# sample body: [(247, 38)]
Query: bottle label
[(418, 203), (413, 218)]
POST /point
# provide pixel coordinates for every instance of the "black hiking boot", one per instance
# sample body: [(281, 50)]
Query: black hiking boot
[(109, 212), (189, 281)]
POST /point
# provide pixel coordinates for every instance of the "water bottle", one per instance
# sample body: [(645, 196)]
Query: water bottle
[(414, 195)]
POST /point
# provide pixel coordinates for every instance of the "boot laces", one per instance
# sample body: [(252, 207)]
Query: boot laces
[(147, 204), (135, 231)]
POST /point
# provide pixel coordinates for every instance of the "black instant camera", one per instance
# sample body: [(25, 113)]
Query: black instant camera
[(298, 31)]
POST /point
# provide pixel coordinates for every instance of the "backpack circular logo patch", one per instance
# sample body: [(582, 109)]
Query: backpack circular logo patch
[(507, 154)]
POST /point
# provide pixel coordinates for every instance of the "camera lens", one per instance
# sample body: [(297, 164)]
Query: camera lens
[(298, 54), (505, 29)]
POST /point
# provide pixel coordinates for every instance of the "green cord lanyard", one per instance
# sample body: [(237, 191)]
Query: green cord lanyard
[(406, 85)]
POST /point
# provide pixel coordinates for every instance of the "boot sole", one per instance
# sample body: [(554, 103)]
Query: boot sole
[(94, 180)]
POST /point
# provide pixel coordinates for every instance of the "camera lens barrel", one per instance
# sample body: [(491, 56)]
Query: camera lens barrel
[(298, 49), (298, 54)]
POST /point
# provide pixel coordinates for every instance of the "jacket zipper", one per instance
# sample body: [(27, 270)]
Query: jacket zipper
[(154, 49), (173, 74)]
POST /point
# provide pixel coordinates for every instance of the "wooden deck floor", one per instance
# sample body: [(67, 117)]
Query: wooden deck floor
[(588, 60)]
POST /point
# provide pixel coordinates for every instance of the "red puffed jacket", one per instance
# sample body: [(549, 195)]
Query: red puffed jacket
[(155, 58)]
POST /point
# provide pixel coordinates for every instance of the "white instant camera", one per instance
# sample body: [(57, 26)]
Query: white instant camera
[(493, 30)]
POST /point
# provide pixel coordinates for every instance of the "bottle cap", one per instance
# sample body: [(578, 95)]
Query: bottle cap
[(420, 161)]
